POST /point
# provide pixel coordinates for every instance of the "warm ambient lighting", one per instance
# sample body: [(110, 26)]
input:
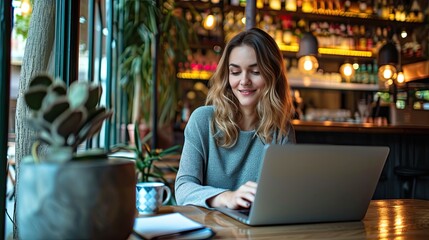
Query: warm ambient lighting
[(308, 64), (203, 75), (400, 78), (307, 53), (330, 51), (275, 4), (345, 52), (386, 72), (209, 22), (347, 71), (25, 7), (388, 58)]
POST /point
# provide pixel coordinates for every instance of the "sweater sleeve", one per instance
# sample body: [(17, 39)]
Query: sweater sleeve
[(189, 186)]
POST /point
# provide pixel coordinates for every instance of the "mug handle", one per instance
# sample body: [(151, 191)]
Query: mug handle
[(168, 191)]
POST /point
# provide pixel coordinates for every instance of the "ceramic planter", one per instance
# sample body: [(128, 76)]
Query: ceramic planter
[(77, 200)]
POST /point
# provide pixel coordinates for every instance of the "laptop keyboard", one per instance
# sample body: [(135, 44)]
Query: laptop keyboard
[(245, 211)]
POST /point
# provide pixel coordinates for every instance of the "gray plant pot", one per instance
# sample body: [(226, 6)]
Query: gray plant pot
[(77, 200)]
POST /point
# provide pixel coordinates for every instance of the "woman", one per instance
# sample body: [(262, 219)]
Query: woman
[(249, 105)]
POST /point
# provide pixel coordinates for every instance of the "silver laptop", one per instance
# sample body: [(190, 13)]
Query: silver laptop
[(308, 183)]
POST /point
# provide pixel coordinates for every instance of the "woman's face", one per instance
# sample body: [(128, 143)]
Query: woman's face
[(244, 77)]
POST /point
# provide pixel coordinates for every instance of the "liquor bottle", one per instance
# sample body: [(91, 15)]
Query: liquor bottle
[(376, 8), (235, 2), (307, 6), (275, 5), (364, 74), (371, 76), (347, 5), (290, 5), (362, 6), (322, 5), (384, 10), (416, 12), (375, 72), (392, 10), (400, 12)]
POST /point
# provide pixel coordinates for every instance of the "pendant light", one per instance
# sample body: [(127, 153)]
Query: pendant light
[(347, 71), (387, 61), (307, 53), (209, 22)]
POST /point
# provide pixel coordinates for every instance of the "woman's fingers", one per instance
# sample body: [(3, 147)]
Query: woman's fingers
[(245, 195)]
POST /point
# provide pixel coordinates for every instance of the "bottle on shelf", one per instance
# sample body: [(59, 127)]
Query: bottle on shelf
[(290, 5), (347, 5), (307, 6), (259, 3), (275, 4)]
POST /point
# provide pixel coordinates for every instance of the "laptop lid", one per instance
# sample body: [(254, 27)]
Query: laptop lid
[(309, 183)]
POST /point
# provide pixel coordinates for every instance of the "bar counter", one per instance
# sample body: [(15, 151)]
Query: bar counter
[(328, 126), (385, 219), (409, 148)]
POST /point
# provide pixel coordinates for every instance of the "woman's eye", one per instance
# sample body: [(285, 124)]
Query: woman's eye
[(235, 73), (256, 73)]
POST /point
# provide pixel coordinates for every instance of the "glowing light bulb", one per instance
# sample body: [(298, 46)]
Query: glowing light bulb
[(347, 70), (209, 22), (400, 79), (387, 73), (308, 65)]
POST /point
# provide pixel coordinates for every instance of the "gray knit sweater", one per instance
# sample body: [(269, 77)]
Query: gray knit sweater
[(206, 169)]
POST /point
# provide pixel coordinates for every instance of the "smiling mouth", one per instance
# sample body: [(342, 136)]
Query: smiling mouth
[(246, 91)]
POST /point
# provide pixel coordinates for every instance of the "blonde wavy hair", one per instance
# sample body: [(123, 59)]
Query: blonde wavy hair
[(275, 108)]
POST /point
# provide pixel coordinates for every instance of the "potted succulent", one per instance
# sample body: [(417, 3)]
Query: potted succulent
[(66, 193)]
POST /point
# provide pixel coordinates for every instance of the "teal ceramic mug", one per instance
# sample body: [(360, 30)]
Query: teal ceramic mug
[(150, 197)]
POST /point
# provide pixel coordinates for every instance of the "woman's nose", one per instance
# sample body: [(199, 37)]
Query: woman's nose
[(245, 81)]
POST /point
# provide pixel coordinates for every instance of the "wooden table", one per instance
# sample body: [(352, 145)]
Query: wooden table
[(385, 219)]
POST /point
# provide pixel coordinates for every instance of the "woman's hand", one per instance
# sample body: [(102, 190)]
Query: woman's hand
[(243, 197)]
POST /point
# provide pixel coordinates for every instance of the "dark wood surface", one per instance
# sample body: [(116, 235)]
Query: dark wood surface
[(329, 126), (385, 219)]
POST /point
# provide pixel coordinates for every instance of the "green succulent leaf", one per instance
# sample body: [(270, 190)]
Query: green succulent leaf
[(94, 95), (34, 97), (68, 123), (92, 125), (38, 124), (78, 94), (50, 139), (56, 109), (43, 80), (59, 87), (50, 99)]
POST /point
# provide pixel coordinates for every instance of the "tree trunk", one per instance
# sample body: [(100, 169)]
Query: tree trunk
[(37, 53)]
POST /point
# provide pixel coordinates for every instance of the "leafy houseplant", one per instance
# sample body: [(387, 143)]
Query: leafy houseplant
[(145, 157), (143, 20), (65, 189)]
